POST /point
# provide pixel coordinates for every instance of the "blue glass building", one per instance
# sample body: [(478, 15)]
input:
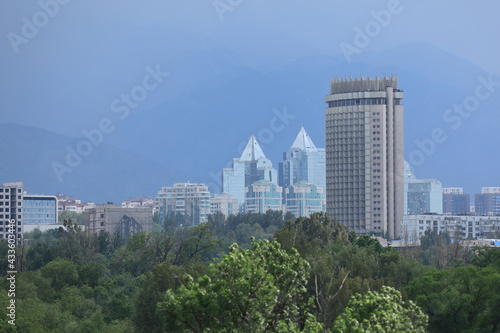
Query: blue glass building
[(251, 167), (423, 196), (303, 162), (40, 209), (303, 199), (262, 196)]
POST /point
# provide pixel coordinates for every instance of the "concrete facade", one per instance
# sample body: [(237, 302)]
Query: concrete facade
[(455, 201), (224, 203), (472, 227), (115, 219), (11, 211), (189, 199), (364, 154), (488, 202)]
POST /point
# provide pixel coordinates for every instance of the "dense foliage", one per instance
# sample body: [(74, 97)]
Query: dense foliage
[(305, 274), (383, 311)]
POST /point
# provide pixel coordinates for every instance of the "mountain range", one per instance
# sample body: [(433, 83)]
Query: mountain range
[(215, 99)]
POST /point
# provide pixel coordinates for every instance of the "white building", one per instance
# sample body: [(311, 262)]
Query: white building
[(472, 227), (224, 203), (190, 200)]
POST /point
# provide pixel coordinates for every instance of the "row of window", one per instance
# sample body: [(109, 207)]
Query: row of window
[(7, 190), (359, 101)]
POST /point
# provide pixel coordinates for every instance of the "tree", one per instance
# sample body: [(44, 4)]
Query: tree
[(79, 218), (257, 290), (383, 311), (367, 241), (62, 272), (459, 299)]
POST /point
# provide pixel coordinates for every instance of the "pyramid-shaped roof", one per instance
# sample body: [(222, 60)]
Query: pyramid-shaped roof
[(252, 151), (303, 141)]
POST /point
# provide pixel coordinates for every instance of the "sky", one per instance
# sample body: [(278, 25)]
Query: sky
[(62, 71), (89, 51)]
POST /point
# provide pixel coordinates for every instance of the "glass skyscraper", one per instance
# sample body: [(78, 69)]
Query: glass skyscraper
[(423, 196), (303, 162), (251, 167)]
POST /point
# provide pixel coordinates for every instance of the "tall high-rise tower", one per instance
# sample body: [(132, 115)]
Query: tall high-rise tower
[(252, 166), (364, 154), (303, 162)]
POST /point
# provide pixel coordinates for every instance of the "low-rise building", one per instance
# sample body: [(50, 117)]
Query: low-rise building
[(224, 203), (461, 226), (455, 201), (488, 202), (117, 220), (262, 196), (188, 199), (423, 196), (40, 209), (304, 198)]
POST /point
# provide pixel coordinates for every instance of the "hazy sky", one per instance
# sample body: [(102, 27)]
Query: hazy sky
[(63, 62), (90, 51)]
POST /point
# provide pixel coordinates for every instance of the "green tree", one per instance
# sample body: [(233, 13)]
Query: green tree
[(162, 278), (40, 254), (459, 299), (79, 218), (62, 272), (257, 290), (383, 311)]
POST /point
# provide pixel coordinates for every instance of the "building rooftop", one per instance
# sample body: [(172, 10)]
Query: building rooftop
[(252, 151), (303, 141), (339, 85)]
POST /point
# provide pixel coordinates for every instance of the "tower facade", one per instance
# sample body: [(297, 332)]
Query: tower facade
[(11, 212), (455, 201), (423, 196), (364, 154), (252, 166), (488, 202), (303, 162)]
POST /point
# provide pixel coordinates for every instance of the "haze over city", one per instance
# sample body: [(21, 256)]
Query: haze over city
[(230, 70), (249, 166)]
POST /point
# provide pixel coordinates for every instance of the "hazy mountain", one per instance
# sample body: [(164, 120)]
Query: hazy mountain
[(213, 101), (203, 128), (106, 174)]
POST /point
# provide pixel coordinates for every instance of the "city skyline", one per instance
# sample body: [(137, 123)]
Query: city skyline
[(210, 166), (180, 97)]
